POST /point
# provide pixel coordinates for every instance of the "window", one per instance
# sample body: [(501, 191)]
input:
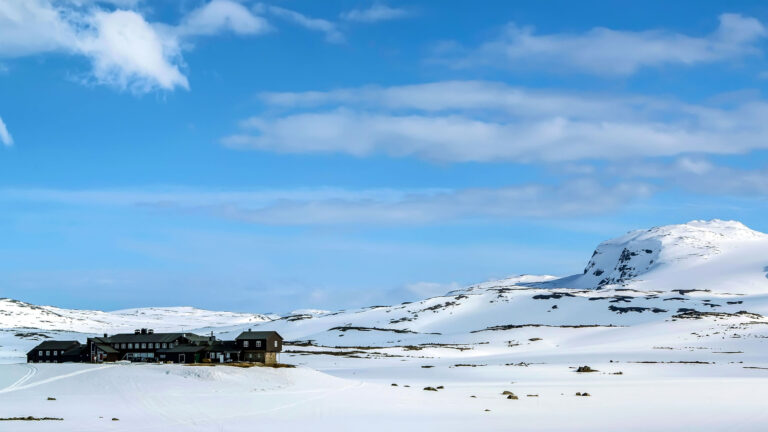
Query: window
[(130, 346), (55, 353), (275, 344), (245, 344), (165, 345), (258, 344), (40, 353), (47, 353), (117, 346), (143, 346), (122, 346)]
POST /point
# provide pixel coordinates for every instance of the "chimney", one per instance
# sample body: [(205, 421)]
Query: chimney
[(151, 331), (105, 335), (137, 331), (143, 331)]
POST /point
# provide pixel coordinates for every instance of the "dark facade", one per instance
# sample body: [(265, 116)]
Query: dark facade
[(260, 347), (144, 345), (51, 351)]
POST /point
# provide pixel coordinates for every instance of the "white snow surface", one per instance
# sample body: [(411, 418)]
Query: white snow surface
[(688, 332)]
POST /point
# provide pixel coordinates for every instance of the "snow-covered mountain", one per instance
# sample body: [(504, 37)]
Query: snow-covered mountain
[(646, 288), (18, 314), (702, 271), (671, 321), (721, 256)]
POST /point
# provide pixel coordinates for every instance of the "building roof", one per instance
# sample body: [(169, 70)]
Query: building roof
[(186, 348), (76, 350), (107, 348), (56, 345), (148, 337), (258, 335)]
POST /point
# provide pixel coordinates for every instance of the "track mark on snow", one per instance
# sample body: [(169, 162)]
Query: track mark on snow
[(31, 371), (19, 386)]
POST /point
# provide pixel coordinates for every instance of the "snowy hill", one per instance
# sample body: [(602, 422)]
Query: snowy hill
[(672, 319), (18, 314)]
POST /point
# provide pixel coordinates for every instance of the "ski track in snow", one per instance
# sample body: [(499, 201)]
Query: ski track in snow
[(33, 371)]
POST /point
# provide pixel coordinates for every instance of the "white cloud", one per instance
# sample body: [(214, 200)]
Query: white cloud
[(695, 174), (604, 51), (5, 136), (222, 15), (477, 121), (363, 207), (377, 12), (126, 51), (332, 33), (30, 27)]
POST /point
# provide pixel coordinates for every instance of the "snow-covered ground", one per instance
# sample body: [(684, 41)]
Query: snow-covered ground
[(672, 318)]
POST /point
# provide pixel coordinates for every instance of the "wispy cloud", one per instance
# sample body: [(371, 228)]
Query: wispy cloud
[(220, 16), (375, 13), (482, 121), (695, 174), (331, 31), (5, 136), (604, 51), (363, 207), (126, 51)]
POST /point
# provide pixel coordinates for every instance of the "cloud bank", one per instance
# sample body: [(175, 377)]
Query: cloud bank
[(331, 206), (608, 52), (475, 121)]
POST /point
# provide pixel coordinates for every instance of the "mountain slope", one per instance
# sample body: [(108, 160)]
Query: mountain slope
[(18, 314)]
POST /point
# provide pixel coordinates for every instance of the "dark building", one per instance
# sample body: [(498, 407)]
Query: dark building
[(76, 354), (260, 347), (224, 352), (144, 345), (98, 349), (187, 353), (51, 351)]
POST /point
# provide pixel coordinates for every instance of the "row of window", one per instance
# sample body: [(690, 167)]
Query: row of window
[(47, 353), (257, 344), (150, 345)]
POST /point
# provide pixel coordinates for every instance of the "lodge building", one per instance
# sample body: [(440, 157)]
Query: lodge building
[(144, 345)]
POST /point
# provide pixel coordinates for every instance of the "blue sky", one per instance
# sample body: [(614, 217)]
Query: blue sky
[(270, 156)]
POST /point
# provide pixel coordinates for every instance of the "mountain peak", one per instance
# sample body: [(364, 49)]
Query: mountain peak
[(624, 258)]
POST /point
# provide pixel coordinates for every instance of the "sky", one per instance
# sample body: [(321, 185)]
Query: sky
[(280, 155)]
